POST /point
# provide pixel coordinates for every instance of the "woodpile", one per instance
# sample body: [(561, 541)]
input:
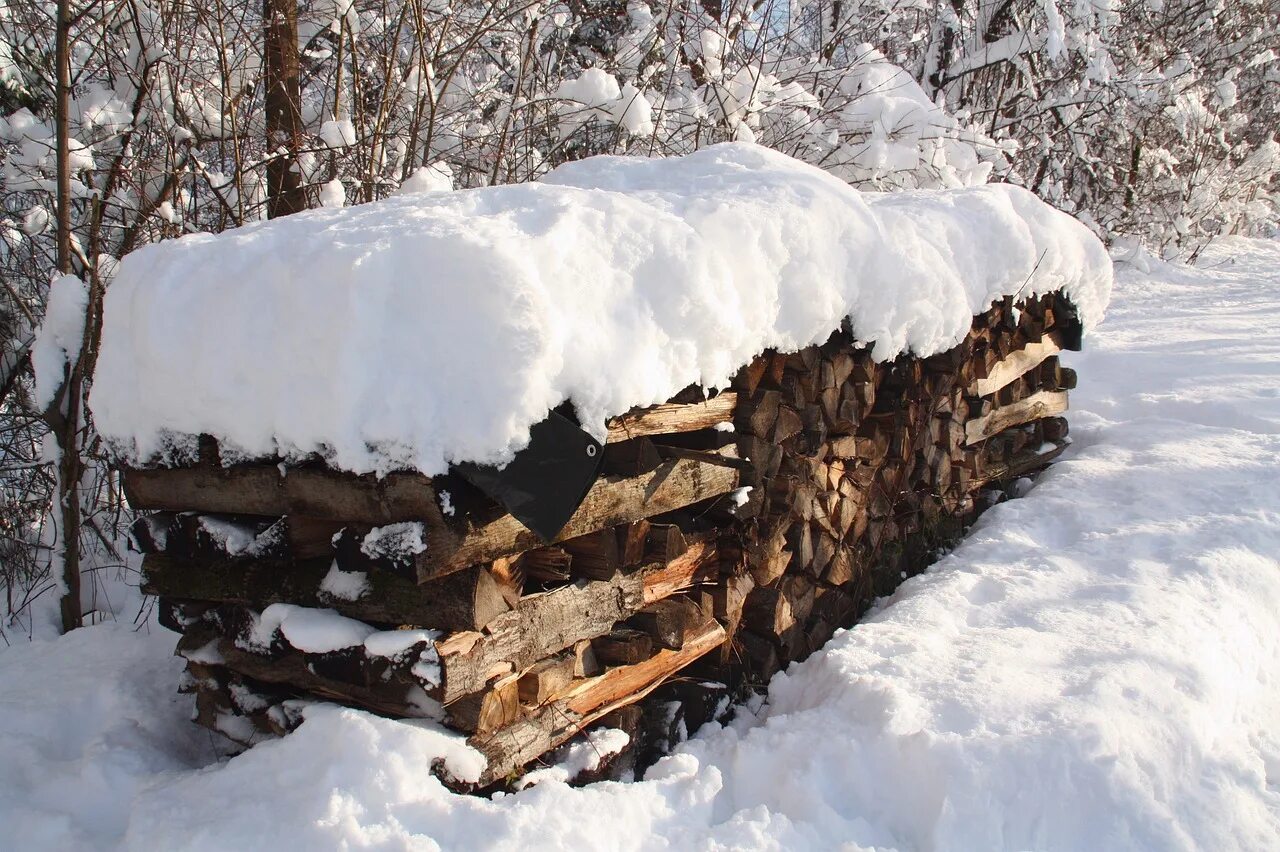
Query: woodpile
[(725, 538)]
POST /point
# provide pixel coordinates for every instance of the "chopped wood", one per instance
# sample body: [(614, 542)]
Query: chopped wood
[(667, 621), (667, 418), (380, 684), (691, 564), (674, 485), (857, 471), (1015, 365), (1022, 463), (547, 564), (547, 622), (537, 733), (595, 555), (487, 711), (623, 646), (466, 600), (257, 489), (634, 542), (1042, 404), (585, 663), (547, 679), (630, 458)]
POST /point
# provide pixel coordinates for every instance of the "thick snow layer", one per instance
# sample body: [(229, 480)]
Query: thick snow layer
[(1096, 667), (435, 328), (58, 342)]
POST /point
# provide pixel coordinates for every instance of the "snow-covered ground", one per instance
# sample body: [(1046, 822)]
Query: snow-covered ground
[(1096, 667)]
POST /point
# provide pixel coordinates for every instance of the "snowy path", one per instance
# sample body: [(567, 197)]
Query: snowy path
[(1097, 667)]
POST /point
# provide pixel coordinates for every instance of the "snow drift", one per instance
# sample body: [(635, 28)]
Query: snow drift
[(430, 329)]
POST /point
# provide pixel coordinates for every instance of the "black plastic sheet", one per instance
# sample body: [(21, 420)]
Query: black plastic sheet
[(546, 481)]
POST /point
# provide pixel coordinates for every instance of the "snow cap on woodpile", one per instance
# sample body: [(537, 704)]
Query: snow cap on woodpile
[(435, 328)]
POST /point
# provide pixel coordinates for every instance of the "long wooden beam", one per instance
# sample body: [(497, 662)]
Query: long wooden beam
[(465, 600), (1017, 364), (1041, 404), (451, 545), (259, 489)]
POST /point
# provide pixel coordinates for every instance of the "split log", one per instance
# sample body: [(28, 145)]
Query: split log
[(1021, 463), (667, 621), (380, 684), (545, 623), (1016, 365), (668, 418), (547, 679), (1042, 404), (533, 735), (674, 485), (596, 555), (485, 712), (548, 564), (623, 647)]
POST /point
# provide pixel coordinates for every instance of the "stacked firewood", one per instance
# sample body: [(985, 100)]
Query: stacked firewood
[(727, 536)]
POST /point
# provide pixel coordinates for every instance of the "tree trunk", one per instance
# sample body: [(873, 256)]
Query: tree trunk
[(65, 412), (285, 193)]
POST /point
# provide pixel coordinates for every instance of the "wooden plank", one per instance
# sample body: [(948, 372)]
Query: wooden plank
[(533, 735), (669, 417), (1016, 365), (674, 485), (548, 622), (466, 600), (1041, 404)]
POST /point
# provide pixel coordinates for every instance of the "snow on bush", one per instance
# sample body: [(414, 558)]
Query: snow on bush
[(438, 328), (61, 334), (437, 177)]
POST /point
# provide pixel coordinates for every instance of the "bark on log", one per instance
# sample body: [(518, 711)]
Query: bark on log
[(1016, 365), (674, 485), (466, 600), (1042, 404), (545, 623), (669, 418), (535, 734)]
